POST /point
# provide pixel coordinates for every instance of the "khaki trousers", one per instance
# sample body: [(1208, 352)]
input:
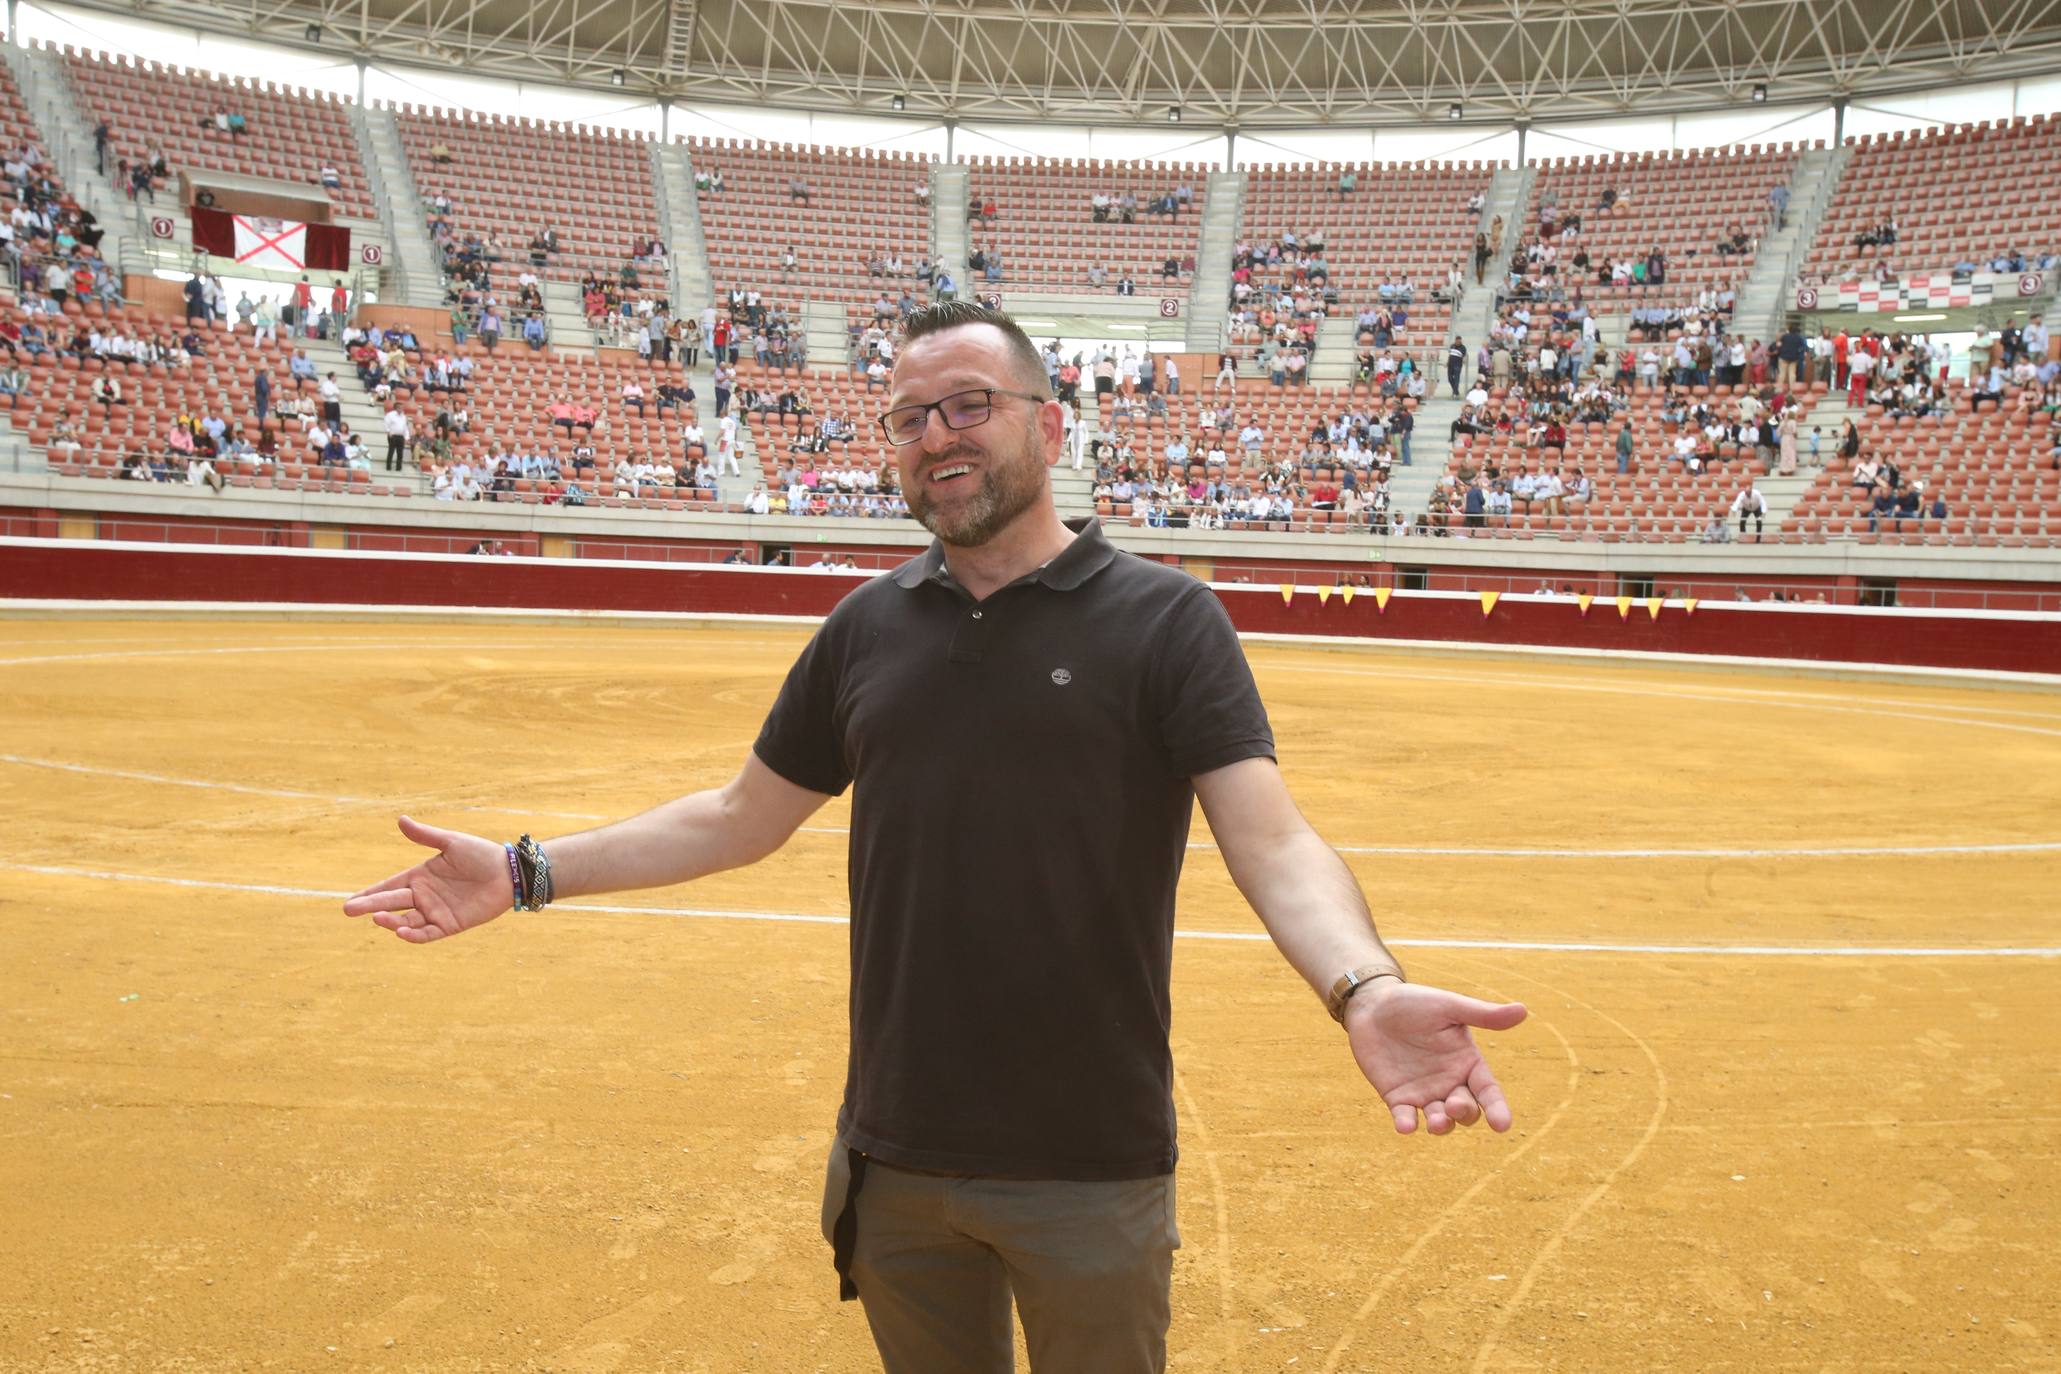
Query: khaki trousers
[(937, 1259)]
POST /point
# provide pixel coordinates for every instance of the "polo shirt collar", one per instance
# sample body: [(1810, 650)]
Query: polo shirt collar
[(1088, 554)]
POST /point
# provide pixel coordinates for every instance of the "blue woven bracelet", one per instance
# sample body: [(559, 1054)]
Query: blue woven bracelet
[(515, 878)]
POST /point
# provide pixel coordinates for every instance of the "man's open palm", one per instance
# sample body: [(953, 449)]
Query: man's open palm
[(1414, 1045), (464, 884)]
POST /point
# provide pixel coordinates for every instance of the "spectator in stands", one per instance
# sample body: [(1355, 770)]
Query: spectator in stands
[(797, 190), (1456, 363), (726, 446), (331, 178), (1750, 504), (14, 383), (107, 389), (725, 377)]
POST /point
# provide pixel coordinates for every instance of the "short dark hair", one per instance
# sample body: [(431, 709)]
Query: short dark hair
[(943, 315)]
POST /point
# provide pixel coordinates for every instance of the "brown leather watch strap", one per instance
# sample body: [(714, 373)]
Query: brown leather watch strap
[(1351, 982)]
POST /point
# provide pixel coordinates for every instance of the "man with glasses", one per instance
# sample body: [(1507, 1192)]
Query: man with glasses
[(1028, 716)]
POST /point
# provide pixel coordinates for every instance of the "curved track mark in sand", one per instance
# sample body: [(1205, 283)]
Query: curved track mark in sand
[(1226, 1275), (1551, 1249), (1458, 1206)]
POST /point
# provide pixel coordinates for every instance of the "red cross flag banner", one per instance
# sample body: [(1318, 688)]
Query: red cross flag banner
[(276, 244)]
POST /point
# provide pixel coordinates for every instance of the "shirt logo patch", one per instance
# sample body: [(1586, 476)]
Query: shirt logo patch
[(1061, 676)]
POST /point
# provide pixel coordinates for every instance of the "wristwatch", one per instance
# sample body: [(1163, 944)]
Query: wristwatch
[(1352, 981)]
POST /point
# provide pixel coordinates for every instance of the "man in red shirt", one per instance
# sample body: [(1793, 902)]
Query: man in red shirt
[(1841, 346)]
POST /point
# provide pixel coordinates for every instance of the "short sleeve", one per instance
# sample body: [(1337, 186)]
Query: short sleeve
[(1207, 705), (800, 739)]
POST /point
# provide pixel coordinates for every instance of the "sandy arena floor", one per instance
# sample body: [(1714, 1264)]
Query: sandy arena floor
[(240, 1132)]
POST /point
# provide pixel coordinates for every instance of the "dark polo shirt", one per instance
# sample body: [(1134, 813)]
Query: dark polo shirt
[(1021, 814)]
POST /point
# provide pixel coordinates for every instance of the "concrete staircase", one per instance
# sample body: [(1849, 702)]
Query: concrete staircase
[(411, 276), (679, 219), (1073, 492), (359, 411), (1409, 488), (1209, 295), (1508, 193), (826, 330), (68, 135), (564, 318), (693, 292), (1764, 298), (949, 188), (1829, 415), (1333, 363)]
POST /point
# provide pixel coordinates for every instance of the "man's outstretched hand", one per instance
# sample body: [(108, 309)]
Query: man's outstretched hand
[(1414, 1045), (464, 884)]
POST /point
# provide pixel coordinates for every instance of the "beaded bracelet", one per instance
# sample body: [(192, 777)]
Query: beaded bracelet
[(515, 876)]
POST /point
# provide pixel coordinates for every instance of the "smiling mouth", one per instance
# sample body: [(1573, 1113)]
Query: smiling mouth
[(947, 473)]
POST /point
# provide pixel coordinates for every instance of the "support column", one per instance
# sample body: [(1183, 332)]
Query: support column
[(1838, 120)]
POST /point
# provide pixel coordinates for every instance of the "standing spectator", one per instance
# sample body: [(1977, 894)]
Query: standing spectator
[(1456, 362), (724, 378), (726, 445), (261, 396), (332, 400), (339, 301), (397, 435), (1624, 447), (1789, 356), (1750, 504)]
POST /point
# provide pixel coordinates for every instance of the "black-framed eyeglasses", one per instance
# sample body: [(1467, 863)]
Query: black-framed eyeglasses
[(960, 410)]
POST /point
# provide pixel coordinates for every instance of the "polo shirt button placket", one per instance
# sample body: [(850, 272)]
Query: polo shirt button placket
[(970, 639)]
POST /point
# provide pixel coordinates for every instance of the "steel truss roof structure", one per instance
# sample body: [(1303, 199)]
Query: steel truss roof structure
[(1248, 64)]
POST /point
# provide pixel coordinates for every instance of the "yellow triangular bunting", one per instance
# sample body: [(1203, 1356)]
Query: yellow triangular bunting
[(1381, 596), (1585, 601), (1690, 605), (1653, 607), (1347, 593), (1624, 608), (1323, 596), (1488, 601), (1287, 592)]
